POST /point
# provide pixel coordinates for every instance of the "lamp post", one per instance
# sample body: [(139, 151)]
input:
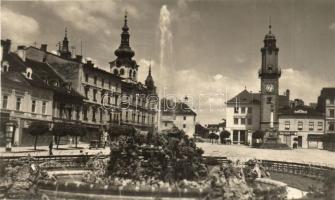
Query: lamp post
[(10, 128)]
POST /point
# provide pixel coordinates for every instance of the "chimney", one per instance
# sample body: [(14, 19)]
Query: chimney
[(288, 94), (79, 58), (21, 52), (5, 44), (44, 47)]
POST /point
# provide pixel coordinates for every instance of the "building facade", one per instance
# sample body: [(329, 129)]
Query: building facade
[(177, 114), (243, 116), (301, 125)]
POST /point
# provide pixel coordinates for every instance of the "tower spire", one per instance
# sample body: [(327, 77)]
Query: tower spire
[(124, 49), (65, 32), (270, 26)]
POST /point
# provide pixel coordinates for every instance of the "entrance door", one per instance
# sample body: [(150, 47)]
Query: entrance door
[(242, 137), (299, 141), (235, 136)]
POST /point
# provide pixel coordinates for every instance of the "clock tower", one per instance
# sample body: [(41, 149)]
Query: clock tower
[(269, 75)]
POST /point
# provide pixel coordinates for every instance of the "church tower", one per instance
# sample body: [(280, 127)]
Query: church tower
[(149, 82), (124, 66), (64, 49), (269, 75)]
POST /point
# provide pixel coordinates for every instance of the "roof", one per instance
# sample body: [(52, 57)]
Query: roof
[(300, 111), (99, 70), (328, 92), (41, 71), (246, 97), (169, 107)]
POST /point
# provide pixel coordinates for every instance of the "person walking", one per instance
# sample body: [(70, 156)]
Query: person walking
[(50, 148)]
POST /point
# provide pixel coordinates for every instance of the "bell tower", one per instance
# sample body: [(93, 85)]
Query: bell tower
[(269, 75)]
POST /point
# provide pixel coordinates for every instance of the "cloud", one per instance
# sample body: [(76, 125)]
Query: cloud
[(92, 16), (302, 84), (332, 26), (18, 27)]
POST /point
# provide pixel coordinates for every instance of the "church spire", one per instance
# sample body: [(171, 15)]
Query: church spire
[(124, 50), (149, 82), (64, 51), (270, 25)]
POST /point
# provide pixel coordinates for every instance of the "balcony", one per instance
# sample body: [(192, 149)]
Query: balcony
[(273, 73)]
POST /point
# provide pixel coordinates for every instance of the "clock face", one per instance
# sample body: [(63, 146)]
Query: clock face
[(269, 88)]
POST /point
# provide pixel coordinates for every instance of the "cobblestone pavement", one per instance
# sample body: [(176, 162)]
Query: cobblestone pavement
[(312, 156)]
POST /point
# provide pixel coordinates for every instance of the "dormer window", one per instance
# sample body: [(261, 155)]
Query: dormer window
[(5, 66), (29, 73)]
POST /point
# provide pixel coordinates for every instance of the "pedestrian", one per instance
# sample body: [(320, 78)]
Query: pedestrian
[(50, 148)]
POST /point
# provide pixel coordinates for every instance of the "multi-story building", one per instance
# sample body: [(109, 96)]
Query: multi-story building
[(139, 101), (301, 125), (31, 91), (243, 116), (326, 105), (177, 114)]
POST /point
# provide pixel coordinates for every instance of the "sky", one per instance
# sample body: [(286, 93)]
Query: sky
[(206, 50)]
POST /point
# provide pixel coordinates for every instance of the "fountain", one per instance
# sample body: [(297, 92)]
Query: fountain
[(166, 165)]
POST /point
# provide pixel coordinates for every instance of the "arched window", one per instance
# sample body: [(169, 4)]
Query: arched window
[(116, 72), (122, 72), (134, 75), (29, 72), (130, 73)]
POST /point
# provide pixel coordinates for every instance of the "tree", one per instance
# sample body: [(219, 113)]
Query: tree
[(77, 131), (59, 130), (224, 135), (36, 129)]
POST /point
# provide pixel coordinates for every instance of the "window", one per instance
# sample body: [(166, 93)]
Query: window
[(4, 101), (249, 110), (165, 124), (86, 78), (101, 115), (127, 116), (235, 120), (311, 126), (122, 72), (138, 118), (85, 113), (134, 75), (287, 125), (93, 115), (33, 106), (269, 100), (331, 113), (18, 103), (116, 72), (243, 110), (332, 101), (184, 117), (250, 121), (95, 80), (102, 82), (109, 84), (130, 73), (300, 125), (331, 126), (94, 95), (86, 92), (44, 107), (78, 112), (243, 121), (320, 126), (184, 125), (236, 110)]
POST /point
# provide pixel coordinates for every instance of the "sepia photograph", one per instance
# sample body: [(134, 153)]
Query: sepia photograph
[(167, 99)]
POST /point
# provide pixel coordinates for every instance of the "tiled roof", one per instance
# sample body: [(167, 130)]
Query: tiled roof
[(246, 97), (303, 111), (168, 107)]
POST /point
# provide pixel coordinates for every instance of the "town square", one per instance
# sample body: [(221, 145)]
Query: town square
[(180, 99)]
